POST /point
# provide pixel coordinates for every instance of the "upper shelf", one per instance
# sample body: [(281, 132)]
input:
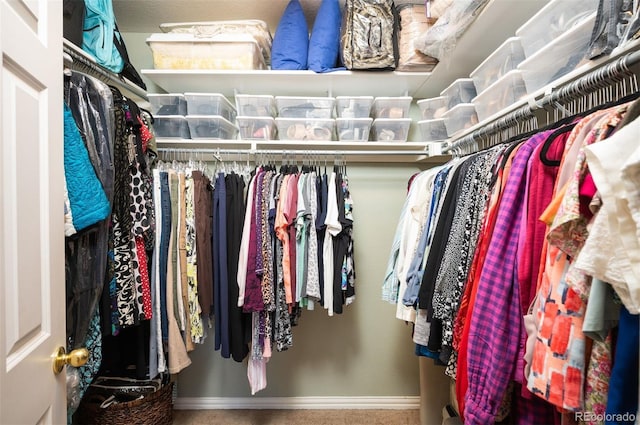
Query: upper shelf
[(289, 83), (408, 152), (498, 21)]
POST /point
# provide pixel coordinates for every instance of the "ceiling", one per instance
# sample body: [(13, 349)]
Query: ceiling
[(146, 15)]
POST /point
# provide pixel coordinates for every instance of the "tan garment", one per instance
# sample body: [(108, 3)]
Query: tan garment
[(177, 355), (182, 258)]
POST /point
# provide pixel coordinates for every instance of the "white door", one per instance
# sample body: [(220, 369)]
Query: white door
[(32, 300)]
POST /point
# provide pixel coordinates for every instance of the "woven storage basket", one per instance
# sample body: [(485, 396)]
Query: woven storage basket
[(154, 409)]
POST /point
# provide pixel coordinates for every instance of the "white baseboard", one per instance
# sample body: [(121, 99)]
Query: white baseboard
[(321, 403)]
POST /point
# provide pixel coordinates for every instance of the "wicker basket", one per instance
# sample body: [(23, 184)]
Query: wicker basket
[(154, 409)]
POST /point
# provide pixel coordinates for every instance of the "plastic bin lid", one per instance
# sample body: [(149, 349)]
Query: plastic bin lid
[(192, 38), (358, 120), (211, 118), (432, 99), (492, 56), (165, 117), (456, 82), (170, 26), (165, 94)]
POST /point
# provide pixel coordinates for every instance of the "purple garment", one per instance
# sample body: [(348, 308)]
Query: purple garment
[(253, 288), (533, 410), (496, 322)]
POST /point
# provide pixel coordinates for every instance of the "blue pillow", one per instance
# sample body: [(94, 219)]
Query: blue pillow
[(291, 41), (324, 45)]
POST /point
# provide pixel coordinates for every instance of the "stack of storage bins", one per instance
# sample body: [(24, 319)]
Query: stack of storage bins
[(193, 116), (222, 45), (353, 123), (391, 119), (556, 41), (431, 124), (461, 113), (498, 81), (305, 118), (256, 116), (169, 112), (210, 116)]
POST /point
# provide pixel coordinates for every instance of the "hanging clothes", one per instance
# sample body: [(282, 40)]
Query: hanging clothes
[(239, 321), (560, 309), (109, 278), (514, 235), (287, 261)]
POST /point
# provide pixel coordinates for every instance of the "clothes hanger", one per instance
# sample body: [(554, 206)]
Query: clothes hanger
[(283, 167), (549, 141)]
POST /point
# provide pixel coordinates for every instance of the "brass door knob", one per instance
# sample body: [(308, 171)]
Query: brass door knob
[(75, 358)]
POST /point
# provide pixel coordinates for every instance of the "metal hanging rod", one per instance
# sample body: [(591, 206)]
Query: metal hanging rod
[(76, 59), (606, 83), (288, 151)]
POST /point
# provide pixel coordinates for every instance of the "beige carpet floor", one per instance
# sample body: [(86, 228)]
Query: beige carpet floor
[(296, 417)]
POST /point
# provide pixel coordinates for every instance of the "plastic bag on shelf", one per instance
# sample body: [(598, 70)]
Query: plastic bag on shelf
[(442, 38), (413, 22), (433, 8)]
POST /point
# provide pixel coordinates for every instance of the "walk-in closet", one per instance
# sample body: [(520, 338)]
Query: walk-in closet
[(319, 211)]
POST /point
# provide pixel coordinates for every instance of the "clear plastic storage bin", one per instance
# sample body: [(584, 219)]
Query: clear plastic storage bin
[(171, 126), (258, 105), (501, 94), (211, 127), (316, 129), (390, 129), (189, 51), (256, 28), (305, 107), (557, 17), (460, 91), (210, 104), (391, 107), (505, 58), (168, 104), (353, 129), (256, 128), (433, 130), (560, 57), (432, 108), (459, 118), (353, 106)]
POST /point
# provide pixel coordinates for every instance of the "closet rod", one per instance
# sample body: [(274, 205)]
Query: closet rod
[(605, 76), (288, 151), (80, 61)]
